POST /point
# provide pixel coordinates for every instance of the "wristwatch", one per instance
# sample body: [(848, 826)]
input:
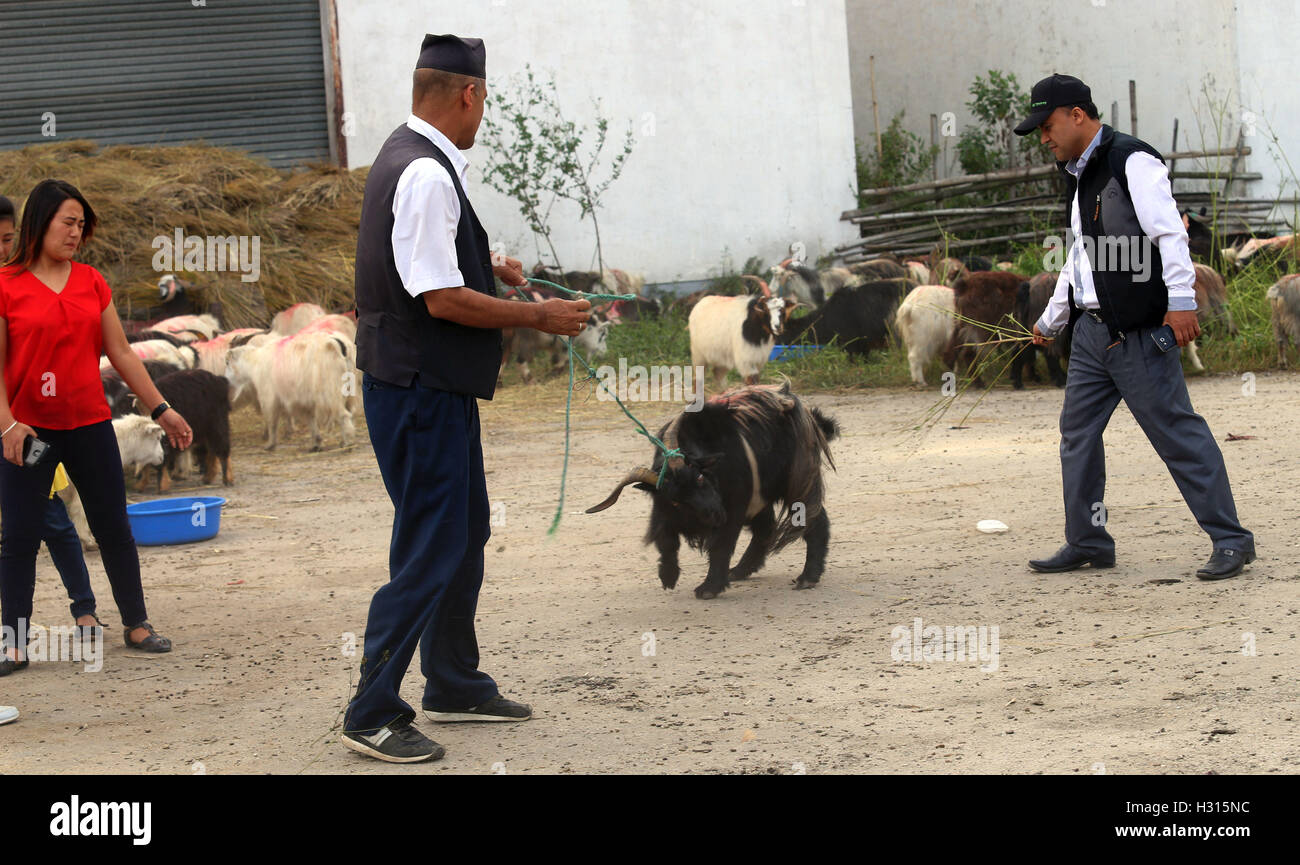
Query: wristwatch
[(157, 413)]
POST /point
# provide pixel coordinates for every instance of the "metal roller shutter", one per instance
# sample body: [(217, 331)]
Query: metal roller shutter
[(247, 74)]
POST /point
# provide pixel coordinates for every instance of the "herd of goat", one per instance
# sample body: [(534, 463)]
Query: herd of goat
[(937, 307), (302, 368)]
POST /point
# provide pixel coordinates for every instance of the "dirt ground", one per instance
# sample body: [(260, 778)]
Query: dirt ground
[(1139, 669)]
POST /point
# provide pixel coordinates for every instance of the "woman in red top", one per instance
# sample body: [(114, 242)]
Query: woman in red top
[(56, 316)]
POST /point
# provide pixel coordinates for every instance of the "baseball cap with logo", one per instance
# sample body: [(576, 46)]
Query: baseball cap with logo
[(1050, 94)]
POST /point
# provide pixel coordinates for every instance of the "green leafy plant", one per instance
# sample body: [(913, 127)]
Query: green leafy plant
[(903, 158), (536, 155), (726, 280), (998, 103)]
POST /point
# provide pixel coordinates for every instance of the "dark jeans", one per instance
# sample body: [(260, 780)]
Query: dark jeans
[(430, 457), (65, 548), (90, 455), (1151, 384)]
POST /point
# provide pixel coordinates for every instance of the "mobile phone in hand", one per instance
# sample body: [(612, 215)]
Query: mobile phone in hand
[(34, 452)]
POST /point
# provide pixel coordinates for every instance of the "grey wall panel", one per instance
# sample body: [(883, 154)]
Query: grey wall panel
[(240, 73)]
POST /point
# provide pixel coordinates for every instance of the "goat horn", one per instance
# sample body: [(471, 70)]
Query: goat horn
[(755, 280), (670, 442), (639, 474)]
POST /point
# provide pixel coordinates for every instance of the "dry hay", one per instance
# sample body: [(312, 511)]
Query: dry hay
[(306, 220)]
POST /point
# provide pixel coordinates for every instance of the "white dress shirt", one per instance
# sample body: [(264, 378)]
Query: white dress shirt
[(1157, 213), (426, 212)]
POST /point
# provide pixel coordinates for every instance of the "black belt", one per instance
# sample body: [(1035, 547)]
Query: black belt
[(1096, 314)]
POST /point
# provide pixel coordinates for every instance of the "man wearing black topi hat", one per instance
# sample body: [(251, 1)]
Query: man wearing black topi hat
[(1126, 292), (429, 340)]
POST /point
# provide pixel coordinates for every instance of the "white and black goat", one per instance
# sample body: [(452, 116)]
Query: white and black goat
[(736, 333)]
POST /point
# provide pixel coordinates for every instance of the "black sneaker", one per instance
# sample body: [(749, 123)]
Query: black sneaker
[(399, 742), (496, 709)]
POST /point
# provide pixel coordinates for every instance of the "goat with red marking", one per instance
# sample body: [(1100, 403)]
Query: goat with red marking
[(311, 375), (289, 321)]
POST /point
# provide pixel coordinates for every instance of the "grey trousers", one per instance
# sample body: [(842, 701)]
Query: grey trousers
[(1151, 384)]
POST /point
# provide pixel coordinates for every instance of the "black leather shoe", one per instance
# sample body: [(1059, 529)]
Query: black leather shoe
[(1068, 558), (1226, 563), (8, 665)]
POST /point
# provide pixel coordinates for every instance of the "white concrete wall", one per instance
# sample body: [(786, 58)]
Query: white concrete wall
[(752, 143), (1268, 32), (929, 51)]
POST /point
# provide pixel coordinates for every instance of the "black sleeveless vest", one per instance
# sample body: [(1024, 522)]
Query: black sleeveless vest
[(397, 340), (1107, 217)]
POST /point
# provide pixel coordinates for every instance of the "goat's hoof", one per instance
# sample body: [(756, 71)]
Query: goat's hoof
[(805, 583), (708, 593), (737, 574)]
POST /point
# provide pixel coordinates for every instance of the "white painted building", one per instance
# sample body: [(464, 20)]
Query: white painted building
[(927, 53), (744, 111), (741, 110)]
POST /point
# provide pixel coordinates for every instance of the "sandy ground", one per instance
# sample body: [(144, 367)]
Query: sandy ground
[(1139, 669)]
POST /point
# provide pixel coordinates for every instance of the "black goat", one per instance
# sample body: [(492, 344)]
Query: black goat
[(203, 399), (879, 268), (742, 453), (117, 393), (1031, 301), (857, 317)]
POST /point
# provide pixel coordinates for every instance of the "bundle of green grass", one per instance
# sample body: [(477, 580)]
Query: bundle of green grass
[(306, 220)]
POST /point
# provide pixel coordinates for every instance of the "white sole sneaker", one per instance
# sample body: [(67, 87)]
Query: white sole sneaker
[(451, 717), (8, 714), (363, 748)]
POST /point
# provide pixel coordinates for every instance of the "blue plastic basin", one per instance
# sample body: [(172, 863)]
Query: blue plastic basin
[(175, 520), (790, 352)]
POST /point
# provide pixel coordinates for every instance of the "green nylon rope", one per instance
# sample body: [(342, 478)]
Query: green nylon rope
[(591, 375)]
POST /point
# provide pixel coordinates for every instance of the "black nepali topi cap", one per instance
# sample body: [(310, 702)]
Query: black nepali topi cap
[(1050, 94), (453, 54)]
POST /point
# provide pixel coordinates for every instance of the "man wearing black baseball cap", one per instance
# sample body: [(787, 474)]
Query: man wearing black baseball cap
[(1126, 292)]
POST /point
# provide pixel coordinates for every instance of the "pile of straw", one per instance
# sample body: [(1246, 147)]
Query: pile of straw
[(307, 220)]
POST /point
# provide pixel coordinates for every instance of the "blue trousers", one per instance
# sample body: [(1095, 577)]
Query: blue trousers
[(65, 549), (1151, 384), (427, 445)]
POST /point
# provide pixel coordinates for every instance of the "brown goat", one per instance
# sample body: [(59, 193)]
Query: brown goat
[(1284, 297), (983, 296), (1212, 298)]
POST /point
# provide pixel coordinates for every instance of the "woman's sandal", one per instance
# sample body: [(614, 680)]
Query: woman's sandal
[(91, 632), (152, 643)]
